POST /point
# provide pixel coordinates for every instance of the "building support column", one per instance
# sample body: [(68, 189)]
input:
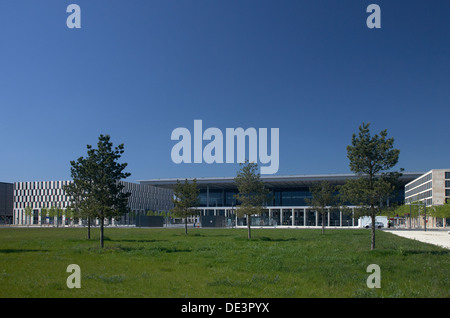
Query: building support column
[(353, 216), (293, 217), (329, 216)]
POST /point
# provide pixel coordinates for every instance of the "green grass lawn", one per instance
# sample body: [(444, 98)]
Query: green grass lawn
[(218, 263)]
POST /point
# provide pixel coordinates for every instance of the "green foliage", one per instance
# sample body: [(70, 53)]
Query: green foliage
[(52, 212), (44, 213), (28, 211), (371, 157), (439, 211), (323, 198), (252, 194), (185, 200), (96, 190), (164, 214), (411, 210)]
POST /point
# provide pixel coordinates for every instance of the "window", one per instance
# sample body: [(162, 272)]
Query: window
[(447, 184), (447, 175)]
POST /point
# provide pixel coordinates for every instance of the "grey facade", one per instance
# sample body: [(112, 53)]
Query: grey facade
[(6, 202), (432, 188), (47, 194)]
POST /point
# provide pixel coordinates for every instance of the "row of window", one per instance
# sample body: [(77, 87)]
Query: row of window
[(40, 205), (40, 185), (41, 198), (423, 179), (58, 185), (418, 189), (428, 202), (447, 184), (38, 192), (419, 196)]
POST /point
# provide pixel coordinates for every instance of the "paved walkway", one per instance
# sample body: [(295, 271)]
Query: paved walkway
[(432, 236)]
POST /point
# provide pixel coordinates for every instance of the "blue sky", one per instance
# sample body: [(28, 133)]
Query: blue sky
[(139, 69)]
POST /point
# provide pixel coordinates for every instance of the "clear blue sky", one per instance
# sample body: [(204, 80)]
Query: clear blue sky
[(138, 69)]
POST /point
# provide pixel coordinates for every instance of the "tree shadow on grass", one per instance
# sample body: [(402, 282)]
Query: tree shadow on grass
[(11, 250), (266, 239), (270, 239), (406, 252), (140, 249), (417, 252), (209, 235), (135, 240)]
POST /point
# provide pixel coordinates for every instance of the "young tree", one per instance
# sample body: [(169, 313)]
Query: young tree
[(97, 178), (69, 214), (252, 193), (323, 198), (185, 200), (371, 157), (440, 211), (52, 214), (28, 214), (81, 203), (43, 215)]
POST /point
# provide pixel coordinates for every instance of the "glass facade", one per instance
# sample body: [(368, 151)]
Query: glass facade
[(287, 207), (287, 197), (280, 197)]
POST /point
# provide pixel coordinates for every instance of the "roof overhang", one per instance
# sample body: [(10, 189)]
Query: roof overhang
[(286, 181)]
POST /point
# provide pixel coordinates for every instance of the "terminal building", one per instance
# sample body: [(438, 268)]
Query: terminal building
[(288, 207)]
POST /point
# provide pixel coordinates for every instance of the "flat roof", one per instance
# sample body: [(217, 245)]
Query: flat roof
[(430, 171), (271, 181)]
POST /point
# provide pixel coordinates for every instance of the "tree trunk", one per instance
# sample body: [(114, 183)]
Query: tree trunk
[(185, 226), (372, 246), (89, 228), (102, 221), (323, 222), (248, 226)]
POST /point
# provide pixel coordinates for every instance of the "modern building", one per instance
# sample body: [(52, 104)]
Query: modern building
[(38, 195), (431, 188), (6, 203), (288, 207)]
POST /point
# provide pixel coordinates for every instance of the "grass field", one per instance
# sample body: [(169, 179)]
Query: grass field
[(218, 263)]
